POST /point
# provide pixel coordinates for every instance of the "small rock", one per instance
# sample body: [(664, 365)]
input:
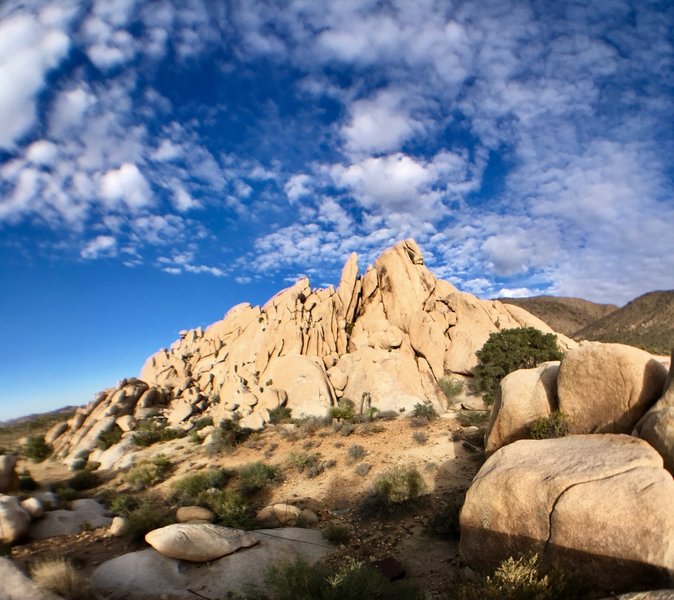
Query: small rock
[(33, 507), (118, 527), (190, 514)]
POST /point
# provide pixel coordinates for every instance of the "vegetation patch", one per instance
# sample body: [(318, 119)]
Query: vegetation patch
[(280, 414), (107, 439), (553, 426), (355, 454), (508, 351), (226, 437), (153, 431), (60, 577), (344, 410), (451, 388), (392, 491), (188, 489), (336, 533), (149, 472), (36, 449), (468, 418), (148, 515), (256, 476), (84, 480), (424, 411)]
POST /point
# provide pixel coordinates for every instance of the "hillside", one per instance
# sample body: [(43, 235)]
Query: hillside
[(565, 315), (646, 322)]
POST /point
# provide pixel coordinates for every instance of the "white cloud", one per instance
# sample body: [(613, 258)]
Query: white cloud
[(298, 186), (167, 151), (182, 199), (28, 51), (126, 185), (103, 245), (378, 124), (69, 110), (42, 152)]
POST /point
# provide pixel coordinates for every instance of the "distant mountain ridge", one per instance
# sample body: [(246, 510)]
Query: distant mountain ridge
[(565, 315), (646, 322)]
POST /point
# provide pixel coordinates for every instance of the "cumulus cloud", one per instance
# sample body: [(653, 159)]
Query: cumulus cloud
[(126, 185), (29, 51), (42, 152), (103, 245)]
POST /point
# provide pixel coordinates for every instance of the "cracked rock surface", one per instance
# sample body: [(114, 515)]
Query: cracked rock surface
[(599, 506)]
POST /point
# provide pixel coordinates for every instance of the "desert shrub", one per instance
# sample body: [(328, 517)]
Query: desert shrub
[(363, 469), (36, 449), (468, 418), (227, 436), (148, 515), (417, 422), (518, 579), (66, 494), (60, 577), (256, 476), (149, 472), (120, 504), (84, 480), (355, 454), (303, 460), (343, 411), (420, 437), (107, 439), (393, 490), (335, 533), (26, 482), (153, 431), (311, 425), (451, 388), (188, 489), (388, 415), (202, 422), (230, 507), (352, 581), (280, 414), (508, 351), (344, 428), (425, 411), (553, 426), (444, 521)]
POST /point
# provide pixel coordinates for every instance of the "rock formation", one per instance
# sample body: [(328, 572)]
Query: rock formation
[(392, 333), (598, 506)]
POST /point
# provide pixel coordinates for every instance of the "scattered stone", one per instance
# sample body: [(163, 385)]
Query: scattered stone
[(285, 515), (597, 505), (33, 507), (191, 514), (14, 520), (198, 542), (118, 527), (85, 513)]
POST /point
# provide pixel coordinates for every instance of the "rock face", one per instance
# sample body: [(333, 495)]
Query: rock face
[(147, 575), (198, 542), (9, 480), (523, 397), (14, 520), (607, 388), (390, 333), (657, 425), (597, 505)]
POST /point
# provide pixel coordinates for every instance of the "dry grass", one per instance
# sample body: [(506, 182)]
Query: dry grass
[(60, 577)]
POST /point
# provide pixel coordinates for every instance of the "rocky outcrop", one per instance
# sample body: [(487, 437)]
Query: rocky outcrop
[(390, 333), (14, 520), (599, 506), (657, 425), (607, 388), (147, 575), (523, 396), (198, 542)]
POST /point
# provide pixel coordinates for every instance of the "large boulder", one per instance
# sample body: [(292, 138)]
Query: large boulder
[(85, 513), (14, 520), (9, 480), (198, 542), (599, 506), (147, 575), (607, 388), (657, 425), (523, 396)]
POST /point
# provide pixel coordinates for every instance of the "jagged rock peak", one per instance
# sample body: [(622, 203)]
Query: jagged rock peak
[(389, 335)]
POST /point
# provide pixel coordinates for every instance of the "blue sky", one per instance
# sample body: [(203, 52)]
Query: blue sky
[(161, 161)]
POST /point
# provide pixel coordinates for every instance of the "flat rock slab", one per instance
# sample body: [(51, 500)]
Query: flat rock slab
[(85, 513), (198, 542), (147, 575), (16, 586)]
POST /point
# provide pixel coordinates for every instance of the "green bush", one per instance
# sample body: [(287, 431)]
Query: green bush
[(444, 522), (36, 449), (343, 411), (508, 351), (153, 431), (230, 507), (451, 388), (393, 491), (256, 476), (202, 422), (188, 489), (353, 581), (424, 411), (147, 516), (84, 480), (280, 414), (335, 533), (553, 426), (107, 439), (303, 460), (519, 579), (227, 436), (148, 473), (466, 418)]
